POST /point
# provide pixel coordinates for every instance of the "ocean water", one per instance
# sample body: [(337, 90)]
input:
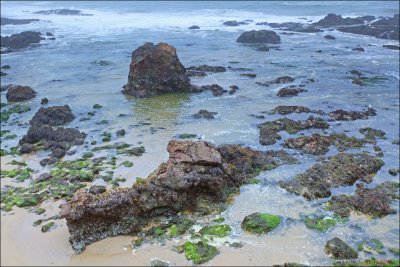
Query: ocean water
[(65, 71)]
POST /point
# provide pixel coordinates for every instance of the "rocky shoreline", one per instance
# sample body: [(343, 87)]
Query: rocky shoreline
[(200, 178)]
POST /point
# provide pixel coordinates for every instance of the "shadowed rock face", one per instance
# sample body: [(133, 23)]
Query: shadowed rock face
[(195, 172), (156, 69)]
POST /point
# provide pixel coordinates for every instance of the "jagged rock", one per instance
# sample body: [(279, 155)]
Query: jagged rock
[(234, 23), (17, 93), (44, 101), (196, 172), (343, 115), (279, 80), (284, 110), (341, 170), (207, 68), (21, 40), (269, 130), (261, 36), (215, 89), (338, 249), (156, 69), (375, 202), (289, 91), (204, 114), (337, 20), (53, 116)]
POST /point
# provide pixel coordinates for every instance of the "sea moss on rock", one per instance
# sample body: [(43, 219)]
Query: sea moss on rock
[(269, 130), (340, 170), (199, 252), (216, 230), (338, 249), (372, 246), (375, 201), (323, 223), (260, 223)]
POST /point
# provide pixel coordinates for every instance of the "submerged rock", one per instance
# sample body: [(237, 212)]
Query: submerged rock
[(340, 170), (269, 130), (156, 69), (216, 89), (343, 115), (375, 201), (205, 114), (288, 91), (330, 37), (294, 27), (261, 36), (194, 27), (62, 11), (53, 116), (21, 40), (234, 23), (18, 93), (279, 80), (336, 248), (260, 223), (195, 172), (284, 110), (393, 47)]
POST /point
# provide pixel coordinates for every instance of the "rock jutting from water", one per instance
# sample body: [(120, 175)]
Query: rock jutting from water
[(7, 21), (343, 115), (340, 170), (261, 36), (269, 130), (338, 249), (21, 40), (18, 93), (289, 91), (156, 69), (197, 172)]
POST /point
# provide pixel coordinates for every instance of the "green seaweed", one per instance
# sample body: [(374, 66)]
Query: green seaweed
[(260, 223), (199, 252), (47, 227), (187, 136), (216, 230), (127, 164), (322, 223)]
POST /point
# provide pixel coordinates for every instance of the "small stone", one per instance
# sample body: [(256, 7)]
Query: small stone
[(121, 132), (44, 101), (393, 171), (158, 263), (97, 189)]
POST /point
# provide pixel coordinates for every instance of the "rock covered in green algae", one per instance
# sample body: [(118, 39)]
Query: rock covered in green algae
[(372, 246), (269, 130), (197, 175), (180, 226), (199, 252), (369, 262), (260, 223), (371, 201), (338, 249), (216, 230), (322, 223), (341, 170), (319, 144), (47, 227)]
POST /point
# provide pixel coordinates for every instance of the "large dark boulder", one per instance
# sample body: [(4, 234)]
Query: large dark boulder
[(21, 40), (156, 69), (53, 116), (17, 93), (261, 36), (338, 249)]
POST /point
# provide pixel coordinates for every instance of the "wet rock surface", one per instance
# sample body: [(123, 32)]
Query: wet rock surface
[(319, 144), (340, 170), (343, 115), (261, 36), (18, 93), (279, 80), (205, 114), (207, 68), (338, 249), (195, 172), (269, 130), (21, 40), (289, 91), (216, 89), (53, 116), (156, 69), (375, 202), (285, 110), (294, 27)]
